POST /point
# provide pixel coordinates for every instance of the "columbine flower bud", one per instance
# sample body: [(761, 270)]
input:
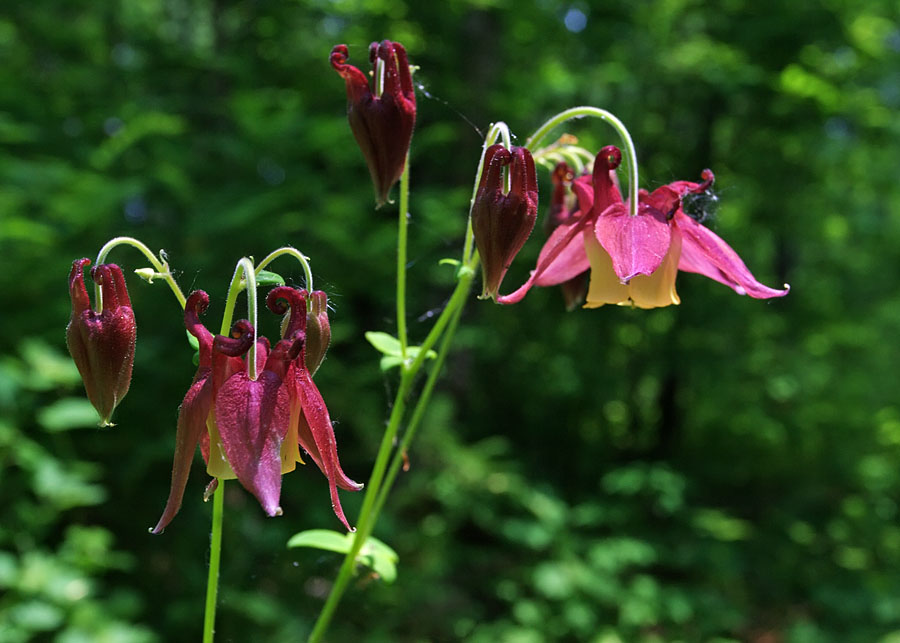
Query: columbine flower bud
[(102, 343), (502, 222), (382, 124)]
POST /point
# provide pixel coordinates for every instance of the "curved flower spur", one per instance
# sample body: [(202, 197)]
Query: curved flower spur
[(102, 342), (381, 121), (255, 425)]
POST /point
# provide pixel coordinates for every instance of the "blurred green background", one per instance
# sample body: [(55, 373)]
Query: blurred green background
[(723, 470)]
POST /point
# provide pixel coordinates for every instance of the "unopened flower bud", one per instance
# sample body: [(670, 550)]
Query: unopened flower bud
[(102, 343), (502, 221)]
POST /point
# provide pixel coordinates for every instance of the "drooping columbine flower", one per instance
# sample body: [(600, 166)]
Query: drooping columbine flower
[(102, 343), (502, 222), (382, 124), (635, 259), (252, 429)]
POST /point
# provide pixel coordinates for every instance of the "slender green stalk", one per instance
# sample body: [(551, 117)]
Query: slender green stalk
[(628, 150), (215, 557), (161, 267), (402, 229), (296, 254), (244, 273), (364, 526), (448, 319), (244, 276), (418, 412)]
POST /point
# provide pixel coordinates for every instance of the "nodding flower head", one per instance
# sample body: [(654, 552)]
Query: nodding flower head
[(102, 341), (382, 120), (503, 221)]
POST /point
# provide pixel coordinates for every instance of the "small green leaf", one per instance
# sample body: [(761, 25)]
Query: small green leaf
[(374, 553), (322, 539), (449, 262), (68, 413), (381, 558), (384, 343), (389, 361), (266, 278)]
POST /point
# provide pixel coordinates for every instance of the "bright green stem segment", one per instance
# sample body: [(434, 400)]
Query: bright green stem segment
[(244, 276), (544, 130), (381, 479), (161, 266), (215, 557), (402, 228), (291, 252)]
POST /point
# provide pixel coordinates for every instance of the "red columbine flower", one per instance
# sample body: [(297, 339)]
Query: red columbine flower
[(635, 259), (502, 221), (102, 343), (561, 212), (382, 125), (252, 429)]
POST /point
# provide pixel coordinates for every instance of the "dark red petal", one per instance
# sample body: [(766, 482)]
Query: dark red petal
[(316, 414), (192, 416)]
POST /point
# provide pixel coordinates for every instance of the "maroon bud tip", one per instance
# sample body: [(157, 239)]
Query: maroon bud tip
[(238, 342), (611, 156)]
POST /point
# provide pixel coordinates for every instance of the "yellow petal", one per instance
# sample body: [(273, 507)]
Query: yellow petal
[(605, 287), (658, 289), (218, 466), (290, 448)]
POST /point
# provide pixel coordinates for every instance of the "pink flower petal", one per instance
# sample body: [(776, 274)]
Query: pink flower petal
[(636, 244), (705, 253), (252, 418)]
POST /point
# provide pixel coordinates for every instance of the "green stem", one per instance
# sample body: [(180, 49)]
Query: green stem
[(628, 150), (244, 276), (417, 414), (363, 527), (402, 229), (215, 557), (374, 498), (296, 254), (161, 267)]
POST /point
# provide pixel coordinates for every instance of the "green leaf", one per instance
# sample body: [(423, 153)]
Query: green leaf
[(390, 361), (68, 413), (374, 554), (384, 343), (266, 278), (322, 539), (449, 262)]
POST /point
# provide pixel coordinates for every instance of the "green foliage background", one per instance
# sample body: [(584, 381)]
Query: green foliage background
[(722, 470)]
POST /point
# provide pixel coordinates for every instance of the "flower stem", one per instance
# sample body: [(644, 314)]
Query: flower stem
[(244, 276), (376, 492), (402, 229), (631, 164), (215, 557), (418, 412), (296, 254), (162, 267)]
